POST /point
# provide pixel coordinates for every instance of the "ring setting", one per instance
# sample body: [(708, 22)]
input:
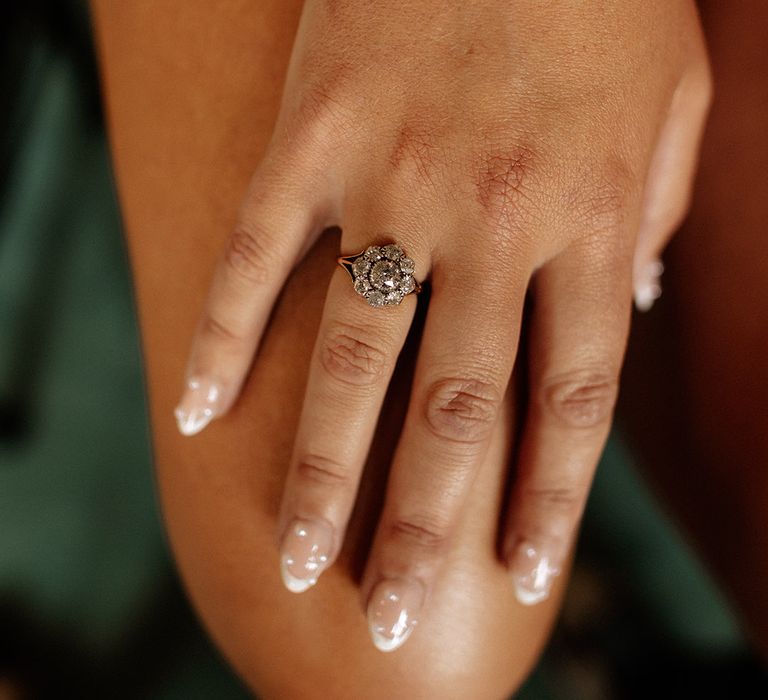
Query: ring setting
[(382, 275)]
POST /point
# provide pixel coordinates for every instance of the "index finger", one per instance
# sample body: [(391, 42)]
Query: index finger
[(274, 223)]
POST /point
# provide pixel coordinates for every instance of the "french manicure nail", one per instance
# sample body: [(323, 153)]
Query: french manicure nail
[(393, 609), (533, 572), (199, 405), (304, 554), (648, 285)]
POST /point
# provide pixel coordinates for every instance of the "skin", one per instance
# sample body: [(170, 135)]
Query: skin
[(177, 131), (549, 150)]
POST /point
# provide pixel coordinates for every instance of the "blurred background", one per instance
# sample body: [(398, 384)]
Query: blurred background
[(90, 606)]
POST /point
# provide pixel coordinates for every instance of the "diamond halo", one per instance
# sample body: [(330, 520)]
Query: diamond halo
[(382, 275)]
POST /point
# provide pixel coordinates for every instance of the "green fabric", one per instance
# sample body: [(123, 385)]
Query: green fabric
[(634, 532), (88, 600), (89, 604)]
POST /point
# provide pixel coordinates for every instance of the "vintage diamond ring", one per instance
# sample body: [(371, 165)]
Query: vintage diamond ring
[(382, 275)]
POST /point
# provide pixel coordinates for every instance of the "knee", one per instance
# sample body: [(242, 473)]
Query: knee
[(476, 643)]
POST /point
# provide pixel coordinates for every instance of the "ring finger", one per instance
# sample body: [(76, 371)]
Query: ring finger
[(463, 369), (576, 349), (353, 359)]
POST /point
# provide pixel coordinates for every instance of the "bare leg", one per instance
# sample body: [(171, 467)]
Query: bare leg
[(696, 389), (191, 95)]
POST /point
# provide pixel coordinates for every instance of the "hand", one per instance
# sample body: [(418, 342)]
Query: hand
[(507, 146)]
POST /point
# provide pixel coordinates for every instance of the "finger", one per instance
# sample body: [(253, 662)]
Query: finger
[(463, 369), (669, 182), (278, 214), (578, 335), (353, 359)]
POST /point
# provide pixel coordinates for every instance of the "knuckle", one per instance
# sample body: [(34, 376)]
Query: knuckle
[(321, 113), (462, 410), (321, 470), (553, 509), (504, 186), (422, 533), (349, 359), (212, 327), (414, 155), (560, 498), (583, 399), (247, 255), (599, 202)]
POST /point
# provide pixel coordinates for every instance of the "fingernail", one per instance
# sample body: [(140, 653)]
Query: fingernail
[(533, 572), (199, 405), (648, 285), (393, 609), (304, 552)]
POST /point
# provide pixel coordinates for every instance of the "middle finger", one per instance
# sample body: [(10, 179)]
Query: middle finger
[(464, 365)]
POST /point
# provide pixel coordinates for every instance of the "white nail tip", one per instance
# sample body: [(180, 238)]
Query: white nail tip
[(383, 643), (294, 584), (646, 295), (647, 286), (392, 613), (532, 574), (527, 597), (192, 422), (199, 405)]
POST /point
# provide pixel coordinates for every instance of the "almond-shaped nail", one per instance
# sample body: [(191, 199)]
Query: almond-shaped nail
[(304, 553), (648, 285), (533, 572), (199, 405), (393, 611)]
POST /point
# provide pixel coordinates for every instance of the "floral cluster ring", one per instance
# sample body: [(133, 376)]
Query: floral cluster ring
[(382, 275)]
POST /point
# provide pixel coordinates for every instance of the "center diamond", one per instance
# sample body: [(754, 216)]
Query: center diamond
[(386, 274)]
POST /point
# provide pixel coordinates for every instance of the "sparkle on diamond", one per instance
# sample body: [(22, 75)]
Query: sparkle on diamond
[(392, 252), (373, 253), (375, 298), (383, 275), (362, 285), (361, 266)]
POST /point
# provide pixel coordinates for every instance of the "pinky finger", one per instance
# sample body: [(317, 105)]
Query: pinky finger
[(669, 182), (577, 345), (272, 230)]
